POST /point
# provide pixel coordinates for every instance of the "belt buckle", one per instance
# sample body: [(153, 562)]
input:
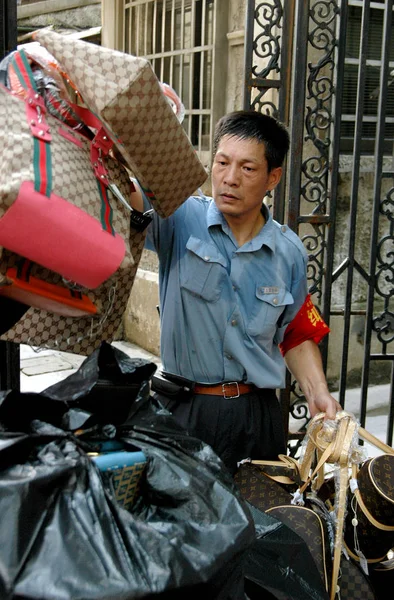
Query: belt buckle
[(224, 390)]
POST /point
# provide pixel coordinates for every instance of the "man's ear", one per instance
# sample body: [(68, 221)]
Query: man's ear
[(274, 178)]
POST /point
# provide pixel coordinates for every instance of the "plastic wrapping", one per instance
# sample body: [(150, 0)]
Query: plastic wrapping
[(325, 431), (174, 101), (67, 537), (50, 82)]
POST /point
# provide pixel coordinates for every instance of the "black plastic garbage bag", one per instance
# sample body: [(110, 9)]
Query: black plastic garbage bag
[(63, 534), (103, 390), (279, 564)]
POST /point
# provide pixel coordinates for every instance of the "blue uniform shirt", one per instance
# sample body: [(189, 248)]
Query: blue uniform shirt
[(225, 308)]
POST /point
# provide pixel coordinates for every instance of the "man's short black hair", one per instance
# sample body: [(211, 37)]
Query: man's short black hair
[(250, 124)]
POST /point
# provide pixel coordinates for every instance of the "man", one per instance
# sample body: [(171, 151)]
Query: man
[(232, 282)]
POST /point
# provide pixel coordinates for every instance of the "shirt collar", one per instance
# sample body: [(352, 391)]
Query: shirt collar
[(265, 237)]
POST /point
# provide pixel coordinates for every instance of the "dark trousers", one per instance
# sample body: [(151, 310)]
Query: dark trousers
[(249, 426)]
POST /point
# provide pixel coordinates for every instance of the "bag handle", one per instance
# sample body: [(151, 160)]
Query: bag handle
[(35, 115), (337, 451), (372, 439), (331, 449), (284, 461), (100, 145)]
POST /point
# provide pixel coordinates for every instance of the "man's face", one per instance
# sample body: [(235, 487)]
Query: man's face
[(240, 177)]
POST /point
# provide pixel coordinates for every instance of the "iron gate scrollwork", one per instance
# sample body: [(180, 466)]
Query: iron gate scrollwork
[(299, 58)]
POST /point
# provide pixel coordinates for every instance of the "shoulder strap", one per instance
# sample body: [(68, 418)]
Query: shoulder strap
[(35, 115), (334, 449), (372, 439)]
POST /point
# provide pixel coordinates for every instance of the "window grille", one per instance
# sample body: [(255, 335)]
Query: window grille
[(178, 38), (371, 79)]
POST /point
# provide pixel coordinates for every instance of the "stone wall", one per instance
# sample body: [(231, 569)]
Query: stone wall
[(60, 14)]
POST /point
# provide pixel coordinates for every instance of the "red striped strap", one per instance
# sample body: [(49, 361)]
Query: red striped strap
[(42, 161), (87, 116), (35, 114)]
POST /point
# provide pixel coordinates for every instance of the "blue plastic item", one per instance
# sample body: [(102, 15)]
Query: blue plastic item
[(122, 472), (111, 461)]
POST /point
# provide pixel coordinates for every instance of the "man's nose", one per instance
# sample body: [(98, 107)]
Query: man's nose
[(232, 175)]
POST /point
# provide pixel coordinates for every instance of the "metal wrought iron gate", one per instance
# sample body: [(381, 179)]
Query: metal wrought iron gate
[(325, 68)]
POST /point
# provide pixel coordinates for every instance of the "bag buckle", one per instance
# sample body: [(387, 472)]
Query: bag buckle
[(36, 101), (102, 141), (230, 383), (35, 114)]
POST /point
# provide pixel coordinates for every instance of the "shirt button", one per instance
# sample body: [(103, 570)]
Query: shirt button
[(233, 322), (207, 257), (283, 228), (275, 301), (228, 356)]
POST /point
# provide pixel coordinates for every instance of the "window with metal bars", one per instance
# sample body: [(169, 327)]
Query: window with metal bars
[(371, 76), (178, 38)]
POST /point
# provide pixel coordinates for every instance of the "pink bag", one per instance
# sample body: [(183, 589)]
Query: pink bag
[(61, 237)]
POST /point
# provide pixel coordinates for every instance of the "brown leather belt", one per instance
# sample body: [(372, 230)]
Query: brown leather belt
[(232, 389)]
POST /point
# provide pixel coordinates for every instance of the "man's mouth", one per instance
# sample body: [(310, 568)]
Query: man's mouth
[(226, 196)]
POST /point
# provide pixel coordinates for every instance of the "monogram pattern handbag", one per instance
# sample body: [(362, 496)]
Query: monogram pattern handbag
[(311, 527), (317, 508), (369, 527), (58, 227), (267, 484)]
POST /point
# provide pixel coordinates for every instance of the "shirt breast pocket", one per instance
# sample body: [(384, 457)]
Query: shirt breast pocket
[(269, 304), (203, 270)]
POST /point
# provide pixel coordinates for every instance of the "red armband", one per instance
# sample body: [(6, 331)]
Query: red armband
[(306, 325)]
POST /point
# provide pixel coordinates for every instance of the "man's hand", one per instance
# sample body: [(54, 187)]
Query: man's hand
[(305, 364), (323, 402)]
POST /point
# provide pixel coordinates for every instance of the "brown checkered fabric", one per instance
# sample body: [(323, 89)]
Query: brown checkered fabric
[(125, 93), (354, 585)]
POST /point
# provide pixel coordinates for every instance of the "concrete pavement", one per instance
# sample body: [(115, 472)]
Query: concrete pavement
[(41, 368)]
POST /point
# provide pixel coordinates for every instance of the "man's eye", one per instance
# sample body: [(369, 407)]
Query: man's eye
[(249, 169)]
